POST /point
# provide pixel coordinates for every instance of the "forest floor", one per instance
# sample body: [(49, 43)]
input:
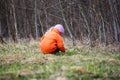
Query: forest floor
[(24, 61)]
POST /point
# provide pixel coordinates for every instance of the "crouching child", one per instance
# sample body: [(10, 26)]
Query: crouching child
[(51, 42)]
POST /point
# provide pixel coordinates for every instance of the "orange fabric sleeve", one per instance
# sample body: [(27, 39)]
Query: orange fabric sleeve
[(60, 44)]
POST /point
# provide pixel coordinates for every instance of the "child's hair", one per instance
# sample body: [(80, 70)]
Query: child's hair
[(50, 29)]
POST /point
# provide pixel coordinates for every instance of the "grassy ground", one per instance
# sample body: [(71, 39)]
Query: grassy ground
[(24, 61)]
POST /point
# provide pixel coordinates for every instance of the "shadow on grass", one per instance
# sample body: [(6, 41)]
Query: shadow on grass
[(68, 53)]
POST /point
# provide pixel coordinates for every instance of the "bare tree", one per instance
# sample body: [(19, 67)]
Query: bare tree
[(0, 26), (12, 20), (36, 19), (68, 29), (90, 21), (114, 20)]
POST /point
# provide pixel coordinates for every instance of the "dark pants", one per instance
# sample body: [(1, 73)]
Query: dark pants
[(56, 51)]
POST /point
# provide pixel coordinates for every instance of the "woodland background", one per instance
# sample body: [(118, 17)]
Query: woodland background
[(89, 21), (92, 39)]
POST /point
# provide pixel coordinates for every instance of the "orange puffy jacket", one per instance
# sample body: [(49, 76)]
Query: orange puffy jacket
[(51, 41)]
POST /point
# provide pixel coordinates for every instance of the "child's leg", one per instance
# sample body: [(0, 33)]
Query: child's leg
[(56, 51)]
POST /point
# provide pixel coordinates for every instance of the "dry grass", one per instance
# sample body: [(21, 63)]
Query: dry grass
[(25, 61)]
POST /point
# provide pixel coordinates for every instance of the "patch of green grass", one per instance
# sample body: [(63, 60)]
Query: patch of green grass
[(118, 57), (24, 61)]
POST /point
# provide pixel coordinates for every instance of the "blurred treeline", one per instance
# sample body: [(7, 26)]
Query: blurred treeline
[(93, 21)]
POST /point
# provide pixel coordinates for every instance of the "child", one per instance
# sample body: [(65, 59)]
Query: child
[(51, 42)]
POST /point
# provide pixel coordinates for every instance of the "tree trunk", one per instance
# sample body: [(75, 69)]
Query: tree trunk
[(36, 28), (0, 26), (86, 25), (114, 19), (68, 29), (41, 24), (12, 20)]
